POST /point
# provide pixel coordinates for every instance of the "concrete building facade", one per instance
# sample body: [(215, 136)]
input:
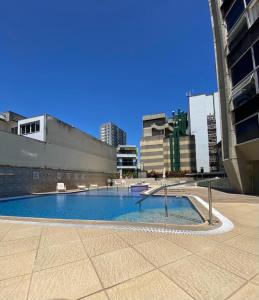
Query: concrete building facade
[(127, 160), (9, 121), (65, 155), (204, 123), (165, 144), (112, 135), (236, 35)]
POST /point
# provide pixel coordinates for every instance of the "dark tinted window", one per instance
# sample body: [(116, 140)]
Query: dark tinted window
[(242, 68), (256, 52), (234, 13), (247, 130)]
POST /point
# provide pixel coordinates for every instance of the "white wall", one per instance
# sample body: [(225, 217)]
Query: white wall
[(199, 108), (40, 135)]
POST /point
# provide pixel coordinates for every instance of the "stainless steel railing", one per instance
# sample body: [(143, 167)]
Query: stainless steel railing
[(165, 187)]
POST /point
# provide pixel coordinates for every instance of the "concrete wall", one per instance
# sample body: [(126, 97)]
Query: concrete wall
[(24, 156), (25, 152), (62, 134), (23, 181)]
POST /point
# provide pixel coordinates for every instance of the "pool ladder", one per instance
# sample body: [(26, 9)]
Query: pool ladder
[(166, 186)]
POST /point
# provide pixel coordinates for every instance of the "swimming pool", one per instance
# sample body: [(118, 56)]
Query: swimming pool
[(104, 205)]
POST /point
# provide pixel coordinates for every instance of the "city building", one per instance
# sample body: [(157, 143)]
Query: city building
[(127, 160), (166, 144), (9, 121), (46, 151), (112, 135), (204, 123), (236, 36)]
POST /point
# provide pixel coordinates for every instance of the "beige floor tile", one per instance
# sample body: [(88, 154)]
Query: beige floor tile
[(23, 233), (192, 243), (97, 296), (4, 227), (201, 279), (16, 265), (224, 237), (118, 266), (15, 288), (86, 233), (103, 244), (17, 246), (57, 229), (70, 281), (135, 237), (248, 292), (59, 255), (236, 261), (58, 238), (245, 243), (255, 280), (253, 233), (161, 252), (153, 285)]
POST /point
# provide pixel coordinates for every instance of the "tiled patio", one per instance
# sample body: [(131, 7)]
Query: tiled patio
[(54, 263)]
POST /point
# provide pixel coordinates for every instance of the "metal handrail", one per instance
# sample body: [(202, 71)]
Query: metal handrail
[(163, 187), (209, 180)]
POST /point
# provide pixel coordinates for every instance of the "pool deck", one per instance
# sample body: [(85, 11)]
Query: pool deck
[(58, 263)]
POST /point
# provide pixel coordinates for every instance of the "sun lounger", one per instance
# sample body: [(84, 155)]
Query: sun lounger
[(94, 186), (82, 187), (61, 187)]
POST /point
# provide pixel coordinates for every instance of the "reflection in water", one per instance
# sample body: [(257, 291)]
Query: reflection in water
[(61, 201)]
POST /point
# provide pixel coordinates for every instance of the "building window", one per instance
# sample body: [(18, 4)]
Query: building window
[(242, 68), (30, 128), (247, 130), (14, 130), (256, 53), (234, 14)]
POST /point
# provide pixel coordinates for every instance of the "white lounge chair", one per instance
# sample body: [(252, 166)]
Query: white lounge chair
[(94, 186), (61, 187), (82, 187)]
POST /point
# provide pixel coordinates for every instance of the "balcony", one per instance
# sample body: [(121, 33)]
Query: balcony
[(247, 129)]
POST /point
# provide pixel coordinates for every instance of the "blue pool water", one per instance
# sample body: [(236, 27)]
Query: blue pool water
[(102, 204)]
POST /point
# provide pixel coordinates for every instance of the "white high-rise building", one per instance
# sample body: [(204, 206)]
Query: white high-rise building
[(112, 134), (204, 123)]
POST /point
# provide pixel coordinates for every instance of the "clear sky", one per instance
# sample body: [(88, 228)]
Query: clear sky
[(87, 62)]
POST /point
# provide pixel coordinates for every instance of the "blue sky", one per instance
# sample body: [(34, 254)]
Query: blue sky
[(92, 61)]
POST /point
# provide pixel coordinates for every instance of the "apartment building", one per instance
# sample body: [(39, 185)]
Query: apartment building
[(127, 160), (112, 135), (165, 144), (236, 35), (204, 123)]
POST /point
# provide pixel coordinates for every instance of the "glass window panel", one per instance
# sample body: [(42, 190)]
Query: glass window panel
[(234, 14), (242, 68), (37, 124), (256, 53)]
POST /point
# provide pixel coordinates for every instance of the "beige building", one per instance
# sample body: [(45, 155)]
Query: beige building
[(236, 36), (165, 144)]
